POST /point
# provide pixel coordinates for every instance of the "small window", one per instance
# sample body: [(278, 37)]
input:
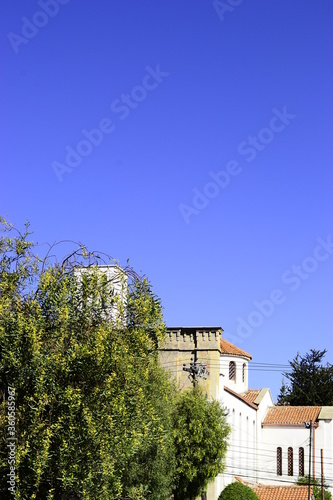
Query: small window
[(290, 462), (301, 462), (232, 371), (243, 372), (279, 461)]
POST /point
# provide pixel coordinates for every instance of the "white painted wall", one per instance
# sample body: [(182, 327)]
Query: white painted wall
[(238, 386), (324, 441), (295, 437), (241, 455)]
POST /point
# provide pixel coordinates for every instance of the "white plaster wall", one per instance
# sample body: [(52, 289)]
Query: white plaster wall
[(238, 386), (295, 437), (265, 403), (324, 441), (261, 458), (241, 456)]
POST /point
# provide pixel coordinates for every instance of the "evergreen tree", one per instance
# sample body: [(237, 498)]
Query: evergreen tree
[(311, 382)]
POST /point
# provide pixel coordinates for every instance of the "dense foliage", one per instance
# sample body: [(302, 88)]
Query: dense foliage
[(311, 382), (238, 491), (93, 407), (201, 434), (316, 487), (96, 417)]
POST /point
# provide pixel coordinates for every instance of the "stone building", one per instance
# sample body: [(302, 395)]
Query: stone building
[(184, 345)]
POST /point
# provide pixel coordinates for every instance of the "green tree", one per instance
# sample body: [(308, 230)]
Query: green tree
[(238, 491), (201, 433), (94, 409), (311, 382), (304, 480)]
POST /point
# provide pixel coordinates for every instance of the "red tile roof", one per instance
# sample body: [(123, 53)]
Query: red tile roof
[(251, 395), (282, 492), (239, 396), (290, 415), (228, 348)]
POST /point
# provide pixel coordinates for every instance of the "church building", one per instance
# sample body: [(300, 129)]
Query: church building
[(268, 444)]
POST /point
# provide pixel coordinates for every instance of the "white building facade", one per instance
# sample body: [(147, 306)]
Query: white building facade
[(269, 444)]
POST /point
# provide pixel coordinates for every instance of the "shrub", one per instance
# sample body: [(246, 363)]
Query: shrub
[(238, 491)]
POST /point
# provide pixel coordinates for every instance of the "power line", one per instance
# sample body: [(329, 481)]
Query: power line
[(248, 451), (271, 368), (263, 478), (237, 467)]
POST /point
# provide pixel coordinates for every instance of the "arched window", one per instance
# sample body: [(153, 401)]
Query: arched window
[(279, 461), (232, 371), (290, 462), (243, 372), (301, 462)]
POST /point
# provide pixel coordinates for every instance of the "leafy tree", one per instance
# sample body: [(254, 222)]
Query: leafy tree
[(201, 433), (96, 415), (94, 409), (311, 382), (304, 480), (238, 491)]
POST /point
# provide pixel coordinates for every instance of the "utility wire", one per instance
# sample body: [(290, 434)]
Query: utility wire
[(261, 478), (272, 368)]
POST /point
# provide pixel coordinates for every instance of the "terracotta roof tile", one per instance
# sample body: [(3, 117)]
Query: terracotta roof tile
[(241, 480), (291, 414), (239, 396), (282, 492), (228, 348), (251, 395)]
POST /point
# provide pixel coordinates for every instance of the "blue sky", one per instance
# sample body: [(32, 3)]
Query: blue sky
[(192, 138)]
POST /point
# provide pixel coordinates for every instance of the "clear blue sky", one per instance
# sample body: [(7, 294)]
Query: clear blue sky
[(211, 170)]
